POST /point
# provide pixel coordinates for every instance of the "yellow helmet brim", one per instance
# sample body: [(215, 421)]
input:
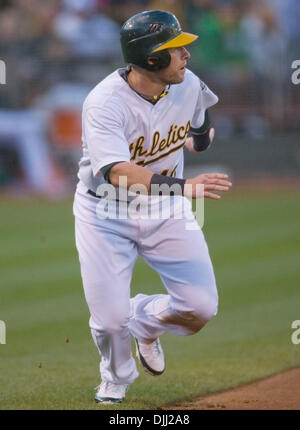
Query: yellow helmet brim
[(181, 40)]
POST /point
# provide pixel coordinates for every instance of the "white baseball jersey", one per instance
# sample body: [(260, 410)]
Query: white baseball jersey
[(120, 125)]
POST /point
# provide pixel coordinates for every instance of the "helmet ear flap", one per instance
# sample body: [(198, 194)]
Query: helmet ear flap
[(159, 60)]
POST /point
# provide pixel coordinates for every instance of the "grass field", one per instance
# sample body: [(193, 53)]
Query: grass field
[(49, 360)]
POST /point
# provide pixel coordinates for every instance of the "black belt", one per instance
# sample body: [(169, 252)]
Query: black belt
[(94, 194), (100, 197)]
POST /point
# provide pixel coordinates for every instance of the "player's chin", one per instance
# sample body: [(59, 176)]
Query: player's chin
[(179, 77)]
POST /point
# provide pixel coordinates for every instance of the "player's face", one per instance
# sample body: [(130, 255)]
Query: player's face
[(174, 73)]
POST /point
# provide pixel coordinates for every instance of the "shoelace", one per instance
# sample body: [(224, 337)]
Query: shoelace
[(156, 347), (152, 348)]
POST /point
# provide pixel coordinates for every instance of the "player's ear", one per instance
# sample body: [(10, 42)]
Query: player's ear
[(153, 61)]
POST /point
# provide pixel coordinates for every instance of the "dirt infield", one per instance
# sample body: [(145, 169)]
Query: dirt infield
[(281, 391)]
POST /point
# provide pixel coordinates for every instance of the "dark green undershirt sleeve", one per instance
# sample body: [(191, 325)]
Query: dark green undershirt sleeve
[(106, 169), (204, 127)]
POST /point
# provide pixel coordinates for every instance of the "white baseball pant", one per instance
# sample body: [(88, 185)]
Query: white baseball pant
[(107, 252)]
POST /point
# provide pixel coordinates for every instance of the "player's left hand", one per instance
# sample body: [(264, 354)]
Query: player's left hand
[(189, 144)]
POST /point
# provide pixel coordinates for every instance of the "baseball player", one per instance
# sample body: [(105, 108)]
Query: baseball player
[(135, 125)]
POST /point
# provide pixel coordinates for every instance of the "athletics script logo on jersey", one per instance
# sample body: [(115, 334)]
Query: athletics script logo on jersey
[(174, 135)]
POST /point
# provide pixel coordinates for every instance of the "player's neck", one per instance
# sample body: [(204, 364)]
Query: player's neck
[(146, 83)]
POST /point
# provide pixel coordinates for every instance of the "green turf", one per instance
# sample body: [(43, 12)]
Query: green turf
[(49, 360)]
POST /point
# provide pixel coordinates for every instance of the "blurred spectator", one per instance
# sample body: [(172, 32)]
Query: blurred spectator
[(262, 38), (177, 7), (27, 44), (122, 10), (26, 27), (288, 18), (87, 32), (218, 29), (62, 105), (47, 138), (24, 133), (265, 47)]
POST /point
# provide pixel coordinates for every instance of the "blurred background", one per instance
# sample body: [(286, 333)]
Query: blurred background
[(55, 51)]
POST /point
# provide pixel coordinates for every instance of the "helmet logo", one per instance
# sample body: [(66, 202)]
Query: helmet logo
[(154, 27)]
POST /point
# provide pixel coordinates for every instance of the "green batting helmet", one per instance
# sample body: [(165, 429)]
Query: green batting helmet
[(149, 35)]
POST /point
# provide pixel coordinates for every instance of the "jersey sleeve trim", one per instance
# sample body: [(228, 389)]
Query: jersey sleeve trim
[(204, 127), (106, 169)]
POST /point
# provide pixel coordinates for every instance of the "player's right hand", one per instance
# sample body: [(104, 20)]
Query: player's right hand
[(211, 182)]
